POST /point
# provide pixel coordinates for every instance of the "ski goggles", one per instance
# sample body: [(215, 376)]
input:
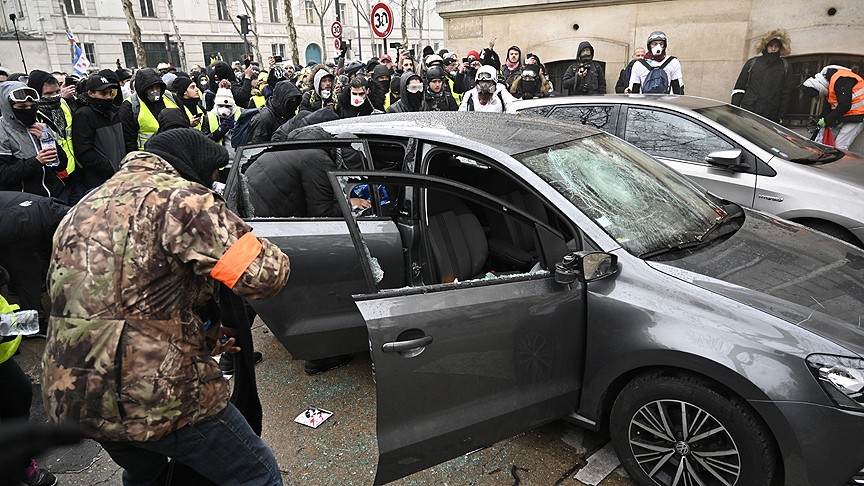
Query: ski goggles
[(414, 88), (23, 95), (484, 76)]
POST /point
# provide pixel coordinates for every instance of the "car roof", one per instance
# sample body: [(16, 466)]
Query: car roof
[(510, 134), (690, 102)]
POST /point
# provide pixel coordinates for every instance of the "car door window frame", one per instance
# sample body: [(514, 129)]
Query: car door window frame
[(458, 189), (748, 157)]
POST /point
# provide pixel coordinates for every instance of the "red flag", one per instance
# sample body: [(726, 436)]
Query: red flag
[(828, 138)]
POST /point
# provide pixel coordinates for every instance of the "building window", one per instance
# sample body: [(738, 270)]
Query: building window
[(90, 51), (310, 12), (147, 9), (73, 7), (154, 52), (274, 10), (222, 10), (277, 49), (342, 17), (414, 18), (223, 51)]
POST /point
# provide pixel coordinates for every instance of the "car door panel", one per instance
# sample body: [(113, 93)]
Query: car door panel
[(738, 187), (462, 365), (314, 316)]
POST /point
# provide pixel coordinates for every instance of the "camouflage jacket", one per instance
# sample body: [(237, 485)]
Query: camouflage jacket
[(126, 355)]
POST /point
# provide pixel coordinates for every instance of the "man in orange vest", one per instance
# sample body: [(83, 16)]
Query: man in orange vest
[(844, 92)]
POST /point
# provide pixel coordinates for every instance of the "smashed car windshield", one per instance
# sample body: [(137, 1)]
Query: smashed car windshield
[(770, 136), (635, 199)]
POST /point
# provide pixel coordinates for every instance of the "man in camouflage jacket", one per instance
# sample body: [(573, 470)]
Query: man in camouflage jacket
[(126, 354)]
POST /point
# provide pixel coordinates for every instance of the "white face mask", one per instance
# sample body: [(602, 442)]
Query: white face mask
[(325, 93), (224, 111), (657, 50), (357, 100), (127, 91)]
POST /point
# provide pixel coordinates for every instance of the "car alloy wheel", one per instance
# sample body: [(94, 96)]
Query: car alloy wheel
[(672, 429)]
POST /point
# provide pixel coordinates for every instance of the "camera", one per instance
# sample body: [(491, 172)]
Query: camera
[(277, 58)]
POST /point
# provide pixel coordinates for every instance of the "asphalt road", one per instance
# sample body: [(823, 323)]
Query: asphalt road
[(343, 450)]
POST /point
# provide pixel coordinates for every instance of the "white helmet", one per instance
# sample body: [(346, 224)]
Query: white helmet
[(486, 73)]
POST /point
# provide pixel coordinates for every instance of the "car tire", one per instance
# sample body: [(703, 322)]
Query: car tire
[(724, 439)]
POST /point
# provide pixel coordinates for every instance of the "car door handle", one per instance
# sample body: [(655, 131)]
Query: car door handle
[(396, 346)]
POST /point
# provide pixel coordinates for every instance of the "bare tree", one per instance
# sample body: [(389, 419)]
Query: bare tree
[(135, 33), (404, 6), (66, 26), (181, 49), (321, 7), (249, 5), (364, 8), (292, 32), (418, 15)]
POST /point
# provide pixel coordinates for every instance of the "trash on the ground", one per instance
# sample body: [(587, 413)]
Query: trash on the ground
[(313, 417)]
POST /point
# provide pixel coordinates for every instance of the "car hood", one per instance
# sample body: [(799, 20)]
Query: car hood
[(850, 168), (784, 269)]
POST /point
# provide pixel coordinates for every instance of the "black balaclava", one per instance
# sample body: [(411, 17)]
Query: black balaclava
[(394, 89), (190, 152)]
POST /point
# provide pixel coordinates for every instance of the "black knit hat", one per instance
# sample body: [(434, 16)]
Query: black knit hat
[(123, 74), (190, 152), (38, 78), (181, 85)]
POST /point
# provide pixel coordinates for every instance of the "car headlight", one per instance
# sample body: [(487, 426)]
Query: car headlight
[(841, 377)]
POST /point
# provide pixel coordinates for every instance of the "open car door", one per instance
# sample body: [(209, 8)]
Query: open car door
[(462, 365), (313, 316)]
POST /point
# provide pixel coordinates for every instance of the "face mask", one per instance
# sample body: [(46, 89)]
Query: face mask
[(325, 93), (49, 104), (154, 96), (357, 100), (127, 91), (486, 87), (26, 116), (657, 50), (224, 111), (529, 86)]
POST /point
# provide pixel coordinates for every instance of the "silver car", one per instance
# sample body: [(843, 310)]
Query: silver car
[(731, 152)]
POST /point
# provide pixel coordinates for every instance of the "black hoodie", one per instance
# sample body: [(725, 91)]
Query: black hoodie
[(378, 93), (97, 141), (278, 109), (144, 78), (405, 103), (585, 77), (241, 90)]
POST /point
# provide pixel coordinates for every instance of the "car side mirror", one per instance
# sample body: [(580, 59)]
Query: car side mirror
[(585, 266), (727, 159)]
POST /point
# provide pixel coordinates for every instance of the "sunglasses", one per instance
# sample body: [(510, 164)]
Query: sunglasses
[(22, 95)]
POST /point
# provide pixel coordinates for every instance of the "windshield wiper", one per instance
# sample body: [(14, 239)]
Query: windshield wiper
[(732, 212)]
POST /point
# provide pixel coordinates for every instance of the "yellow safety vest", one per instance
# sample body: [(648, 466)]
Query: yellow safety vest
[(456, 96), (66, 143), (213, 120), (7, 349), (147, 124), (259, 101), (198, 111)]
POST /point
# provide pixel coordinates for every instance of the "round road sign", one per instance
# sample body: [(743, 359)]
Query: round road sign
[(337, 43), (336, 30), (382, 20)]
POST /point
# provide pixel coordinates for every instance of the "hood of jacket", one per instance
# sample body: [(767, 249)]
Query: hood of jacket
[(221, 70), (281, 100), (582, 46), (380, 70), (146, 78), (321, 74), (14, 136), (778, 34)]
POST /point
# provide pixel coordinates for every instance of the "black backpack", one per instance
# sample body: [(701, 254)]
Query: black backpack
[(240, 136), (657, 81)]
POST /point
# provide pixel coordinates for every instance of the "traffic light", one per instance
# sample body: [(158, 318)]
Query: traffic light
[(244, 24)]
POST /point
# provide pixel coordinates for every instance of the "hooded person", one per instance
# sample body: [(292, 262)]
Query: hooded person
[(585, 77), (26, 166), (512, 65), (380, 86), (354, 99), (278, 109), (54, 112), (528, 85), (98, 135), (488, 95), (765, 84), (171, 119), (135, 273), (843, 91), (242, 89), (322, 93), (667, 79), (410, 94), (436, 97), (139, 113), (189, 96)]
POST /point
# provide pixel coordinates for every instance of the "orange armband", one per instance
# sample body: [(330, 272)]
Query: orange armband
[(236, 260)]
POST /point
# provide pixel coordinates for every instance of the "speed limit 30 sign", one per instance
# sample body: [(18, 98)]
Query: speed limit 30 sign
[(336, 30), (382, 20)]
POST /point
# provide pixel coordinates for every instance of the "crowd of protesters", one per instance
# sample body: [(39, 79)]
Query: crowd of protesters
[(69, 141)]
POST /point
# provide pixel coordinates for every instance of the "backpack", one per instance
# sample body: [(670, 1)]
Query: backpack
[(240, 136), (657, 81)]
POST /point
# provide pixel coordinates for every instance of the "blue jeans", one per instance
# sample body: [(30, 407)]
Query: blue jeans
[(224, 449)]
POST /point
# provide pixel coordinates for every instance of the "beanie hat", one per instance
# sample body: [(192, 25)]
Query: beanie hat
[(394, 84), (38, 79), (475, 54), (123, 74), (190, 152), (171, 118), (224, 97), (181, 84), (168, 79), (428, 51)]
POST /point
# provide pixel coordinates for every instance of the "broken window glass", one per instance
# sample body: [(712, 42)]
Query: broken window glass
[(602, 117), (668, 135), (635, 199)]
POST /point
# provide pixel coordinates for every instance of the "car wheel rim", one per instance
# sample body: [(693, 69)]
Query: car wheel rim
[(677, 443)]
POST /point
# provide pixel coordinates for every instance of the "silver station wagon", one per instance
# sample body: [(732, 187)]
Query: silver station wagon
[(512, 271), (731, 152)]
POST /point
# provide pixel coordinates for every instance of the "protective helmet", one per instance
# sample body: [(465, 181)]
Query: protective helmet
[(486, 73), (354, 67), (434, 72), (433, 60), (162, 65), (655, 36)]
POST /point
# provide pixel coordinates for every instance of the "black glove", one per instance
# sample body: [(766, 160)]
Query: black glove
[(226, 124)]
